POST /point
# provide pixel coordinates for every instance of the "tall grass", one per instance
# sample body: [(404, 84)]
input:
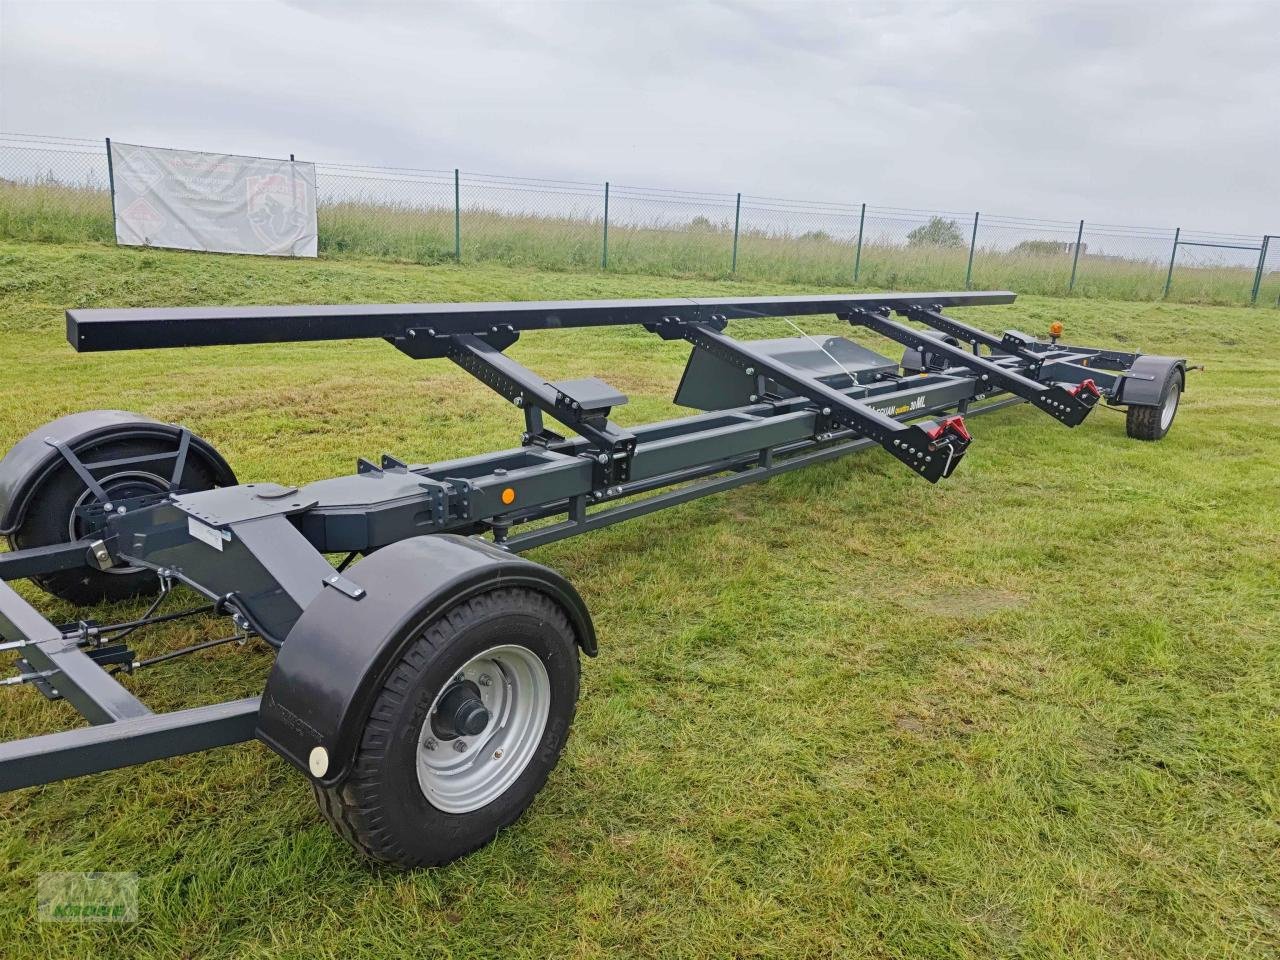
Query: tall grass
[(56, 213)]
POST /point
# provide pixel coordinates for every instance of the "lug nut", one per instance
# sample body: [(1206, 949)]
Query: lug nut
[(430, 743), (484, 680), (460, 746)]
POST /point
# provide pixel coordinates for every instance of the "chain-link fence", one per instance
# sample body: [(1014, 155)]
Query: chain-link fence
[(56, 189), (1266, 282)]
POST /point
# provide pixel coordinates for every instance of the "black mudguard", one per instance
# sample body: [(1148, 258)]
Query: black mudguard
[(31, 460), (1145, 378), (341, 650)]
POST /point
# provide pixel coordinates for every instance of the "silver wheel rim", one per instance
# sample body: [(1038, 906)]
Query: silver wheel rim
[(107, 483), (515, 689), (1170, 406)]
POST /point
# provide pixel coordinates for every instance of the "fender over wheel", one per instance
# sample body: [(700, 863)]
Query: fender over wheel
[(54, 480), (463, 733), (1153, 421)]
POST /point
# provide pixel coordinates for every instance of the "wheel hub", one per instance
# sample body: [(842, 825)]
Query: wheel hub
[(484, 728), (128, 485), (461, 712)]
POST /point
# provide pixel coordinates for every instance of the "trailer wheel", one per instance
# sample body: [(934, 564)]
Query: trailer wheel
[(51, 516), (463, 734), (1153, 422)]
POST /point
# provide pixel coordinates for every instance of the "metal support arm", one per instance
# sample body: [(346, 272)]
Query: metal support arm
[(1010, 343), (612, 447), (933, 454), (1068, 406)]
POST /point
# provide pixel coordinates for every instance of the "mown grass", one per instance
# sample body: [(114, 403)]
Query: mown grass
[(54, 213), (1031, 712)]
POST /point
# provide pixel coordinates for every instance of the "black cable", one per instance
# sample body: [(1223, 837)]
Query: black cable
[(163, 618), (130, 625), (181, 652)]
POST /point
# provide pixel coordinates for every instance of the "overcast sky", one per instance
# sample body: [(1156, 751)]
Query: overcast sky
[(1155, 114)]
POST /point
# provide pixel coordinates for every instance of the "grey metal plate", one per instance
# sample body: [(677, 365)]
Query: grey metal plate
[(251, 501), (711, 384)]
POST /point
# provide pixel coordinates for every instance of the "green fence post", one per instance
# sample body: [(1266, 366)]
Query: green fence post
[(457, 218), (857, 257), (111, 189), (737, 218), (604, 256), (1168, 280), (973, 242), (1075, 260), (1257, 274)]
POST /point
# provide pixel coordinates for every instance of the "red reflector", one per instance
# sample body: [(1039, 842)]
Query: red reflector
[(1087, 385)]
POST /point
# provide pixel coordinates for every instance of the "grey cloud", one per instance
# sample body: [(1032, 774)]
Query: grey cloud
[(1156, 113)]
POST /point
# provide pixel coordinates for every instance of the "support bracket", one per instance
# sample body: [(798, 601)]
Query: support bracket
[(932, 450), (1069, 406), (610, 446)]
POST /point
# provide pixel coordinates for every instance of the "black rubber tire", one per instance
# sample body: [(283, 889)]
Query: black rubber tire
[(53, 502), (380, 808), (1143, 422)]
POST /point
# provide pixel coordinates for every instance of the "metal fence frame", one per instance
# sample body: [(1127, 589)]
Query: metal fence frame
[(428, 215)]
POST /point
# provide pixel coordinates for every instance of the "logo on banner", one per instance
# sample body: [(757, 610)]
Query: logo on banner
[(142, 217), (278, 206), (140, 171)]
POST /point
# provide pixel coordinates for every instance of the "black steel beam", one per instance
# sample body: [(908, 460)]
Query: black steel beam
[(1068, 407), (84, 684), (74, 753), (743, 472), (34, 561), (971, 335), (133, 329), (908, 443)]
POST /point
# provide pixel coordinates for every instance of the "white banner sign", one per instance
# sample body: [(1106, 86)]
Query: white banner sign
[(214, 202)]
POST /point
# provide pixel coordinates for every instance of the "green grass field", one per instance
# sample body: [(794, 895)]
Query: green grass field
[(51, 212), (1033, 711)]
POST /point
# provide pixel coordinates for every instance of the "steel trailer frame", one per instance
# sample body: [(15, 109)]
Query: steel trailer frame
[(257, 551)]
